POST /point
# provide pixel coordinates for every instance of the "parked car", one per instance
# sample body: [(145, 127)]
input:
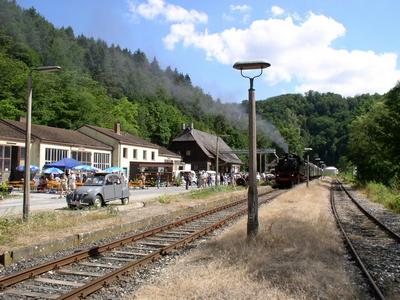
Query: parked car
[(98, 190)]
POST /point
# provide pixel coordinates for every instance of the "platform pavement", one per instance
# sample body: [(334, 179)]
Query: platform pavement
[(48, 201)]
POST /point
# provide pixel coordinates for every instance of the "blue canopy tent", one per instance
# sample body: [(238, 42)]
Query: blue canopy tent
[(65, 163), (52, 170), (32, 168)]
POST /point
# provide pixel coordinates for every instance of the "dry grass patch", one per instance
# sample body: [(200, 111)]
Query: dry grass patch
[(50, 225), (297, 255), (15, 232)]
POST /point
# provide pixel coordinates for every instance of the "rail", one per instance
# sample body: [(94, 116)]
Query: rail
[(159, 241), (362, 258)]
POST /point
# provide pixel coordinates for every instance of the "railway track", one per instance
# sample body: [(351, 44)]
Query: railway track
[(80, 274), (375, 247)]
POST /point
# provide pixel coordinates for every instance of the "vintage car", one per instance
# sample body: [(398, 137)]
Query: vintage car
[(99, 189)]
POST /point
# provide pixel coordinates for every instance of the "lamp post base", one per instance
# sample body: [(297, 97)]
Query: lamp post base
[(252, 222)]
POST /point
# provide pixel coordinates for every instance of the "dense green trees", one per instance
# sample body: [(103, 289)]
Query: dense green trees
[(375, 141), (101, 84), (96, 78), (315, 120)]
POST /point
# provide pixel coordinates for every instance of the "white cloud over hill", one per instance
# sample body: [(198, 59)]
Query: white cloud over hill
[(300, 52)]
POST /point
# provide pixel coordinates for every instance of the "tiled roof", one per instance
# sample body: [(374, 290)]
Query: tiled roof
[(11, 133), (165, 152), (124, 137), (59, 135), (208, 143)]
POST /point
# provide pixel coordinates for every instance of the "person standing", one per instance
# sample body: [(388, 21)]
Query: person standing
[(143, 179), (158, 179), (72, 181), (187, 179), (64, 185)]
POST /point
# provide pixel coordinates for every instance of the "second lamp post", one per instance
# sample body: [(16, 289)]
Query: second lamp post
[(27, 179)]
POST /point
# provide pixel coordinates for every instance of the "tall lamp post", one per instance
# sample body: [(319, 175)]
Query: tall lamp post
[(27, 180), (252, 198), (308, 164)]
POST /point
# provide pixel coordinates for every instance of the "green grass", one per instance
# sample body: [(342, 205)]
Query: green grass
[(202, 193), (377, 192), (382, 194), (164, 199), (349, 178)]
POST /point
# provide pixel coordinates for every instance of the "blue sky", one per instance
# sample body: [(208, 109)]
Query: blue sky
[(347, 47)]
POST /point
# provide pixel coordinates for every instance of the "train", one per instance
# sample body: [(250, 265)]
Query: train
[(291, 170)]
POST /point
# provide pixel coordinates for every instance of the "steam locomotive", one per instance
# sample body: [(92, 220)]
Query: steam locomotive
[(291, 170)]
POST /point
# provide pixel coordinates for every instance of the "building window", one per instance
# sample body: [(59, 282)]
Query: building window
[(153, 155), (144, 154), (101, 160), (53, 155), (5, 158), (134, 153), (187, 152), (82, 156), (125, 152)]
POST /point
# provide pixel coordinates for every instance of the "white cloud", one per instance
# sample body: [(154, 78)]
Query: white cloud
[(300, 51), (277, 11), (240, 8), (153, 9)]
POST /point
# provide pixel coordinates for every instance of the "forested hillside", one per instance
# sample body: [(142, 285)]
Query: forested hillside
[(101, 84), (319, 121)]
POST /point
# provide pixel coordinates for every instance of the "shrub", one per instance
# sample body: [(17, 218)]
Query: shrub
[(382, 194), (4, 189), (164, 199)]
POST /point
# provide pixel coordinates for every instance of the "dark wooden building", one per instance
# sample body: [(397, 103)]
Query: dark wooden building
[(199, 149)]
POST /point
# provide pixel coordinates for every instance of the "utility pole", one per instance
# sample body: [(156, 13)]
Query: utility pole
[(217, 163)]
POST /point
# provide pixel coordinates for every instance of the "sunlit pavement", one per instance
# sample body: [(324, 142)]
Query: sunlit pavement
[(47, 201)]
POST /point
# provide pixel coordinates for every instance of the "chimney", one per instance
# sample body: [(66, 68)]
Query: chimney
[(117, 128), (22, 119)]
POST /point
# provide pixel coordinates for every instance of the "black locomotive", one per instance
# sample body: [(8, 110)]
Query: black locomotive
[(291, 169)]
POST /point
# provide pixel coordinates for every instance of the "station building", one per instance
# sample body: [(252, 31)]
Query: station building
[(199, 149), (91, 145)]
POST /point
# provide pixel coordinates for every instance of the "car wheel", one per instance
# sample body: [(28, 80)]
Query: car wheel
[(125, 201), (98, 202)]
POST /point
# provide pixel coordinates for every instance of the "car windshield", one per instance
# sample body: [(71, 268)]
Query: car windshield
[(96, 180)]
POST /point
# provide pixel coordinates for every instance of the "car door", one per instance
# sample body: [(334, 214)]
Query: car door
[(117, 187), (108, 189)]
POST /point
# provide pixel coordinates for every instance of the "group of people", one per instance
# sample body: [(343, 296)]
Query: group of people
[(65, 182), (208, 179)]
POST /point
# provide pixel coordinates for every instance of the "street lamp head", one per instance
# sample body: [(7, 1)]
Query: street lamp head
[(307, 149), (47, 69), (251, 65)]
